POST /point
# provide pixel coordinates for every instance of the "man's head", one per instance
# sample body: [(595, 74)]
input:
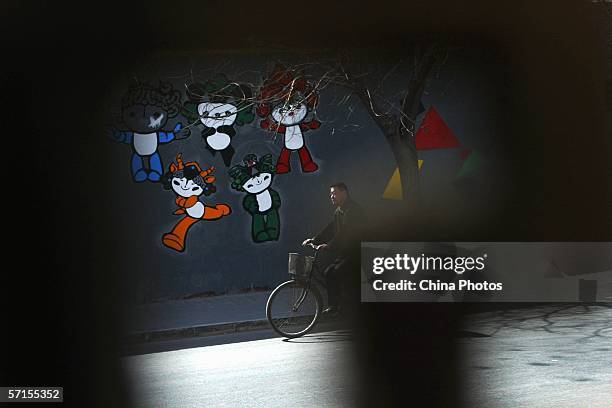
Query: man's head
[(338, 193)]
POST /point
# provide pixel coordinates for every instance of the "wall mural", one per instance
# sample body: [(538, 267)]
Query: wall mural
[(189, 182), (145, 110), (394, 190), (287, 102), (217, 106), (255, 177), (433, 134)]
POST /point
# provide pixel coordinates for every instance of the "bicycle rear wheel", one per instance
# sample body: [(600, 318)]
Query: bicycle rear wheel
[(293, 308)]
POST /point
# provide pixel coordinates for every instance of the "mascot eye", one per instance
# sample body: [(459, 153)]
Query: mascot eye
[(266, 177), (228, 113), (176, 183), (195, 188), (205, 113), (249, 186), (217, 114)]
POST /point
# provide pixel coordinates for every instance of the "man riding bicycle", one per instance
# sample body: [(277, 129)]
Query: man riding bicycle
[(342, 238)]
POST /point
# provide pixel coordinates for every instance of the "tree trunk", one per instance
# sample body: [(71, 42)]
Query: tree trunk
[(403, 142), (406, 157), (400, 130)]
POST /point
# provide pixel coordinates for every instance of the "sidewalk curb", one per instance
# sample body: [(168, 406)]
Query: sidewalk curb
[(258, 324), (195, 331)]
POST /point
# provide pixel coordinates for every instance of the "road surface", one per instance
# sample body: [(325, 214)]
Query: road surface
[(554, 356), (316, 370)]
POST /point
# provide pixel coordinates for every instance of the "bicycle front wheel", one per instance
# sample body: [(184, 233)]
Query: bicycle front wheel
[(293, 308)]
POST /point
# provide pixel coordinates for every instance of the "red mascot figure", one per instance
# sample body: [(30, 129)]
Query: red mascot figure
[(287, 101)]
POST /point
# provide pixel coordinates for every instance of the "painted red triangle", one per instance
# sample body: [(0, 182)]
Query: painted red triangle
[(434, 133)]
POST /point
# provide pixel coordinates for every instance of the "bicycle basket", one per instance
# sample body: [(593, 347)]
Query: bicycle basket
[(300, 265)]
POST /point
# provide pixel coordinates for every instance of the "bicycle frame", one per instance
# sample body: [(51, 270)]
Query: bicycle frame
[(296, 293), (309, 280)]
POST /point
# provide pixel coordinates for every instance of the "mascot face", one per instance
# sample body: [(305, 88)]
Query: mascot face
[(290, 114), (185, 187), (214, 115), (144, 119), (187, 182), (258, 183)]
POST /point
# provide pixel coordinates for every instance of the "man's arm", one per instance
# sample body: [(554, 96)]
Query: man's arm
[(350, 232), (327, 234), (338, 239)]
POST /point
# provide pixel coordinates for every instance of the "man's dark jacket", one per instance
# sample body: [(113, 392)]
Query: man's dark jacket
[(343, 234)]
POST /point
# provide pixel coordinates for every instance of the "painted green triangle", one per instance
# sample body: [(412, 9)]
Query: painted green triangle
[(473, 162)]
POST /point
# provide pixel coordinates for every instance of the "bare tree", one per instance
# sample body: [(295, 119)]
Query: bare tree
[(397, 124)]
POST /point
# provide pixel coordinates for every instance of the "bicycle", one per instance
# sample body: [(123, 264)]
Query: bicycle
[(294, 306)]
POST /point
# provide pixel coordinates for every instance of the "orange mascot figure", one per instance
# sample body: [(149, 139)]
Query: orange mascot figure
[(189, 182)]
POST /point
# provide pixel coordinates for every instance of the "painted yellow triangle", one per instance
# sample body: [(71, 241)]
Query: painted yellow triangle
[(394, 186)]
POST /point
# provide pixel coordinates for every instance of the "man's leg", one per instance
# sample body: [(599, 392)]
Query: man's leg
[(332, 283), (342, 277), (350, 277)]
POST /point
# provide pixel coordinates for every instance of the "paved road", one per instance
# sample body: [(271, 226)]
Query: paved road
[(315, 370), (553, 356), (540, 357)]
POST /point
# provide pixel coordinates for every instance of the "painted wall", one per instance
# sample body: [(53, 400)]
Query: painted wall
[(220, 256)]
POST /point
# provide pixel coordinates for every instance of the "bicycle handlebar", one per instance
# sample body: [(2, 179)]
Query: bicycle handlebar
[(314, 248)]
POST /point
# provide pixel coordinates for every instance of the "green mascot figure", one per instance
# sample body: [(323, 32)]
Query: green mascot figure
[(254, 177)]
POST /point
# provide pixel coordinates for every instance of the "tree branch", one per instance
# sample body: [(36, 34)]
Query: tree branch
[(410, 103), (382, 119)]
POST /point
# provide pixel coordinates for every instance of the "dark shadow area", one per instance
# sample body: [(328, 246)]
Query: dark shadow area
[(337, 336), (320, 334), (195, 342), (470, 334), (66, 242)]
